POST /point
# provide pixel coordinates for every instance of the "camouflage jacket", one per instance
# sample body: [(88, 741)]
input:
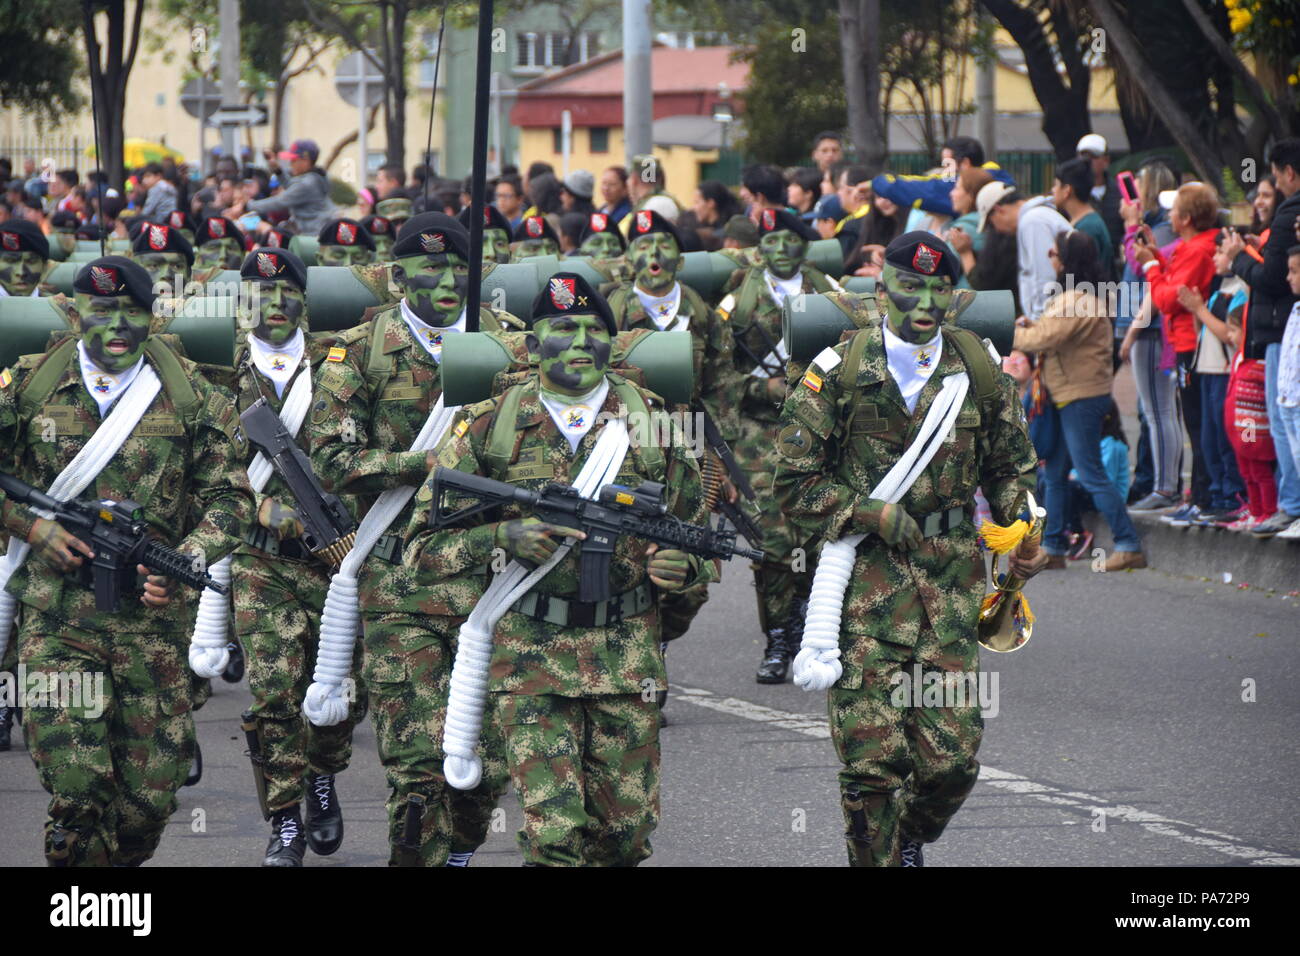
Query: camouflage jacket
[(717, 386), (534, 657), (184, 475), (755, 322), (824, 474), (360, 435)]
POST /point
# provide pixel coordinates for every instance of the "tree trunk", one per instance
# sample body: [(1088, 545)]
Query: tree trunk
[(1254, 89), (860, 53), (108, 76), (396, 126), (1162, 102)]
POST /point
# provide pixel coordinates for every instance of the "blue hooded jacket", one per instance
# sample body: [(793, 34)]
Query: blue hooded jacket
[(929, 193)]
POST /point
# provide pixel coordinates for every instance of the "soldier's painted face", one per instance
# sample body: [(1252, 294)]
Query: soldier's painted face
[(272, 311), (601, 245), (915, 304), (333, 255), (219, 253), (655, 260), (383, 247), (535, 247), (573, 352), (113, 329), (20, 271), (496, 245), (435, 286), (783, 252), (163, 266)]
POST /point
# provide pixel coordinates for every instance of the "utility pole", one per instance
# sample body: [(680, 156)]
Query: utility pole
[(638, 115), (229, 71)]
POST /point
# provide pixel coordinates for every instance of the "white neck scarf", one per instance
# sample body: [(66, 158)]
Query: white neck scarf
[(781, 289), (430, 336), (105, 387), (277, 364), (575, 414), (5, 293), (911, 365), (662, 309)]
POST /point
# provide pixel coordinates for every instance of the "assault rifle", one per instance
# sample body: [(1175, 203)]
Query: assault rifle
[(119, 537), (639, 512)]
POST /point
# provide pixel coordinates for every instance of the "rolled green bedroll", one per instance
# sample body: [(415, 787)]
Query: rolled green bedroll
[(820, 322), (472, 361), (304, 247), (25, 326)]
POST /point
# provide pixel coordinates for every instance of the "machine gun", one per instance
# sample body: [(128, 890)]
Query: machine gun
[(119, 537), (618, 510), (328, 528)]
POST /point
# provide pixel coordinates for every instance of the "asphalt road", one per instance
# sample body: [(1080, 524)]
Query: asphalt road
[(1122, 739)]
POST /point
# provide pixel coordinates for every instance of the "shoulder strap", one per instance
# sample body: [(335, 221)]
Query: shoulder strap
[(175, 380), (853, 360), (501, 436), (379, 365), (40, 384), (652, 456), (747, 294), (977, 361)]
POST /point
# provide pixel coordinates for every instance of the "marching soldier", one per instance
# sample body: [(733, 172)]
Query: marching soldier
[(180, 221), (24, 258), (914, 592), (279, 586), (602, 241), (371, 405), (165, 254), (752, 309), (381, 233), (496, 232), (534, 237), (219, 246), (344, 242), (113, 765), (397, 210), (581, 726)]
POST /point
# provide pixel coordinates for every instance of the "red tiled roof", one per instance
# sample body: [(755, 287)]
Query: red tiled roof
[(674, 71)]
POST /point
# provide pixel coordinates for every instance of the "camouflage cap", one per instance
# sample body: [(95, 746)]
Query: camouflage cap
[(399, 207)]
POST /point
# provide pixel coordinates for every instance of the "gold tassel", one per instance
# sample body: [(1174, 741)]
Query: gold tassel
[(1003, 539)]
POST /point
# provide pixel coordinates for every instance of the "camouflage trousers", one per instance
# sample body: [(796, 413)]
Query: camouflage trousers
[(112, 764), (407, 670), (587, 773), (784, 578), (277, 618), (907, 769)]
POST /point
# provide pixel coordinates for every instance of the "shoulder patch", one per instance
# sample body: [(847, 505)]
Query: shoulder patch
[(5, 378), (337, 353), (812, 380), (827, 359), (795, 441), (462, 427)]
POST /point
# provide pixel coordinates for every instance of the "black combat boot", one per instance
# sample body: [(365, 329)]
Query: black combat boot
[(794, 630), (287, 845), (776, 658), (911, 853), (6, 727), (324, 815), (234, 671), (196, 768)]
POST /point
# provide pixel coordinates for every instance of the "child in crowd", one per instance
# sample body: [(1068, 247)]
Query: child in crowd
[(1114, 458), (1245, 415)]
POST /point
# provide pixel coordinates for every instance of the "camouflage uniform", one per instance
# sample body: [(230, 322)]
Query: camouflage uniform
[(278, 598), (576, 704), (906, 770), (360, 438), (754, 319), (113, 778), (717, 389)]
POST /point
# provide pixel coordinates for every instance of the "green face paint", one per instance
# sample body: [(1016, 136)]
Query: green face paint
[(915, 304), (383, 248), (272, 311), (219, 253), (601, 245), (435, 286), (655, 259), (535, 247), (573, 352), (164, 267), (331, 255), (20, 271), (114, 329), (783, 252), (496, 245)]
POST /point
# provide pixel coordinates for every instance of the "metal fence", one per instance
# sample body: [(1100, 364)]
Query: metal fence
[(52, 154)]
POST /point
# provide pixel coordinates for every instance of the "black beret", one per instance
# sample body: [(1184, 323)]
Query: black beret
[(600, 222), (113, 276), (567, 293), (645, 222), (272, 238), (377, 226), (345, 232), (534, 227), (430, 233), (19, 235), (65, 220), (155, 238), (89, 231), (179, 219), (924, 253), (217, 227), (492, 218), (273, 264), (774, 220)]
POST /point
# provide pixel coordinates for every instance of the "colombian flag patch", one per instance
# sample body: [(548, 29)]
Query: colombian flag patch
[(336, 354), (5, 378), (812, 380), (462, 428)]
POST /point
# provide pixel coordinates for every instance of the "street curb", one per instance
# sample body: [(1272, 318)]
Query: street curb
[(1210, 552)]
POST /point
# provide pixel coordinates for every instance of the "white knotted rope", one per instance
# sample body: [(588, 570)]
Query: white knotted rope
[(210, 642), (84, 468), (817, 665), (326, 703), (469, 673)]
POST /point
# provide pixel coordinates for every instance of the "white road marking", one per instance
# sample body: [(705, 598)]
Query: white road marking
[(816, 725)]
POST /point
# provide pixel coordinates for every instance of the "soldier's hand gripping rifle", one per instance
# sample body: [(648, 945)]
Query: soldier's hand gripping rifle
[(119, 537), (718, 501), (639, 512), (328, 528)]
